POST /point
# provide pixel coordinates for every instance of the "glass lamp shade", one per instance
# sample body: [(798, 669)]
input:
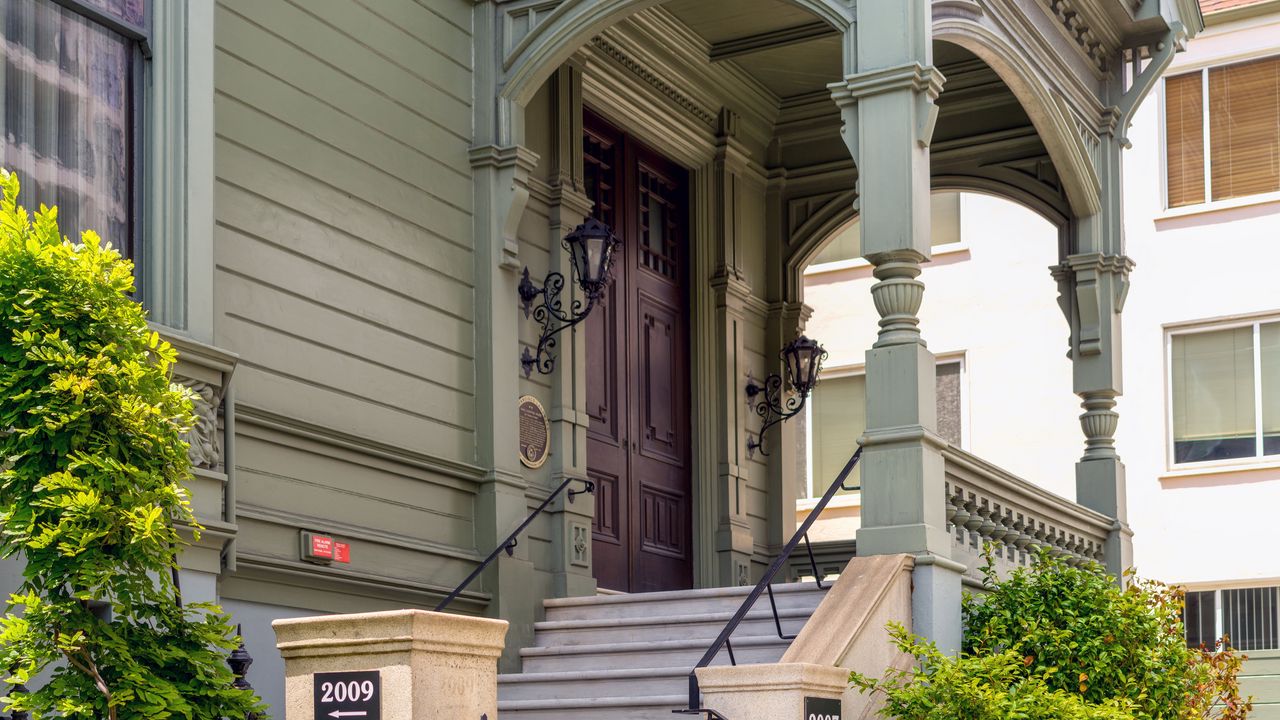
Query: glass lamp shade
[(803, 357), (591, 246)]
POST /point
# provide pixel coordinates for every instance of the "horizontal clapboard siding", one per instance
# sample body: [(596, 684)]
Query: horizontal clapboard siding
[(344, 216)]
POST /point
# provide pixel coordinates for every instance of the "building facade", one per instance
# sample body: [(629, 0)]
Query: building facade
[(332, 206), (1201, 390)]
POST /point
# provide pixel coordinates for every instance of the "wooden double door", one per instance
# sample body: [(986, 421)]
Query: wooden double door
[(638, 369)]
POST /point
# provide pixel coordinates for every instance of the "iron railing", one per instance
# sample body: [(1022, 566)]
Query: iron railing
[(765, 585), (509, 545)]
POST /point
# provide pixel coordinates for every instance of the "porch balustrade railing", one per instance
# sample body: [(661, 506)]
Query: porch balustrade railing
[(988, 505)]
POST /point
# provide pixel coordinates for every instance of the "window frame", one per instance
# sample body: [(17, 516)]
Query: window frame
[(1253, 462), (860, 370), (1219, 615), (1208, 204)]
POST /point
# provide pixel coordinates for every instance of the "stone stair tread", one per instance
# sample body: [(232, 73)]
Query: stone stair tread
[(666, 595), (585, 675), (644, 701), (642, 646), (692, 618)]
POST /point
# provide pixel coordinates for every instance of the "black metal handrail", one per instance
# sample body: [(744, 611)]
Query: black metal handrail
[(509, 545), (765, 584)]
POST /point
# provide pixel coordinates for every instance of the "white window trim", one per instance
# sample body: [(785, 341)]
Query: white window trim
[(1258, 461), (1208, 204), (834, 372)]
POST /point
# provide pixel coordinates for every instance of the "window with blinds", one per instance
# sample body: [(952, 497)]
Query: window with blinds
[(1225, 393), (70, 98), (838, 417), (1241, 138)]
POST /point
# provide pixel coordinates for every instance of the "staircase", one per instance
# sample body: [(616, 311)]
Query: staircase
[(628, 657)]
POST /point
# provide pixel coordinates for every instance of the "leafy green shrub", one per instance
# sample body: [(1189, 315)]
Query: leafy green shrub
[(91, 491), (1053, 631), (975, 687)]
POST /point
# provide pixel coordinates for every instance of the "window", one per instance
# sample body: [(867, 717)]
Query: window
[(1225, 393), (838, 417), (945, 226), (71, 105), (1246, 616), (1238, 132)]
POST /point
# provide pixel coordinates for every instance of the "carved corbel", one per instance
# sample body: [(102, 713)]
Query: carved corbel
[(206, 371), (1091, 285), (509, 169)]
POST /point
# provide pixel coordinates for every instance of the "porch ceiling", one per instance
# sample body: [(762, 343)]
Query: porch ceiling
[(984, 137)]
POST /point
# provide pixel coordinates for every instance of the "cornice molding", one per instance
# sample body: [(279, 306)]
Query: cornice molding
[(1080, 22), (652, 79)]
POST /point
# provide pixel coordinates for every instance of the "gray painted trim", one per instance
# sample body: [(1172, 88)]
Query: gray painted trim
[(177, 244)]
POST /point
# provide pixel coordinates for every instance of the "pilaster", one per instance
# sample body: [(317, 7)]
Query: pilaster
[(731, 296), (887, 103), (568, 207), (500, 175)]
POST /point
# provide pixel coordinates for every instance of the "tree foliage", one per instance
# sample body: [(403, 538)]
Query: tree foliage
[(91, 491), (1068, 636)]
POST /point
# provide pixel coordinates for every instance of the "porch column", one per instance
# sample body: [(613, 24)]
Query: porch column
[(569, 207), (1093, 280), (887, 105)]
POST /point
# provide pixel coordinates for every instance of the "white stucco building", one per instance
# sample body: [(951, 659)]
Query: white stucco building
[(1200, 412)]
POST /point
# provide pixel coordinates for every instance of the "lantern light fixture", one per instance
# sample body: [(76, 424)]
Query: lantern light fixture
[(592, 247), (802, 361)]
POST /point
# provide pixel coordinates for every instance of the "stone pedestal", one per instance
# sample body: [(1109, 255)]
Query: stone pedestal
[(434, 666), (769, 692)]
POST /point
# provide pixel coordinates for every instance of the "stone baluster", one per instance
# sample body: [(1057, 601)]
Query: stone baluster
[(961, 516)]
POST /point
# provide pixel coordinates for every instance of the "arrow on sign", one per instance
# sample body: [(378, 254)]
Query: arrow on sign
[(347, 713)]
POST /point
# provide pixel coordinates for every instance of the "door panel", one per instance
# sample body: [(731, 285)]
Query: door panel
[(638, 369)]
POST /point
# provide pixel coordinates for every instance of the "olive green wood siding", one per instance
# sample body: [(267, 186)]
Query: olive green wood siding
[(344, 281), (1261, 679), (344, 216)]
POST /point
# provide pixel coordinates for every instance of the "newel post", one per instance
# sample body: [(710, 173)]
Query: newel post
[(409, 664)]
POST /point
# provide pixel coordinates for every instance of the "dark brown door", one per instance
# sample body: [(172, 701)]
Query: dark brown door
[(638, 441)]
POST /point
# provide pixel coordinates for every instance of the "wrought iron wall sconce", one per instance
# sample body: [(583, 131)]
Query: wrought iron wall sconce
[(803, 360), (591, 248)]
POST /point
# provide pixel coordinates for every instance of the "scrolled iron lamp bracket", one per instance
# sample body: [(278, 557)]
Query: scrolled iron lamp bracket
[(803, 359), (591, 248)]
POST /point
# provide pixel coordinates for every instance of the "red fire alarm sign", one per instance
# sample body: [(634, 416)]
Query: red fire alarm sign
[(341, 552), (316, 547)]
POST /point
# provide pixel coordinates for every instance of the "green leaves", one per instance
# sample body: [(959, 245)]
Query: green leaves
[(1056, 641), (91, 490)]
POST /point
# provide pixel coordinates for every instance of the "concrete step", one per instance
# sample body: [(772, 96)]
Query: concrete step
[(631, 682), (648, 654), (704, 626), (629, 656), (657, 707), (678, 602)]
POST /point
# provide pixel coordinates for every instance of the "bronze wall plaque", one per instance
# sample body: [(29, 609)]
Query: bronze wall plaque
[(535, 432)]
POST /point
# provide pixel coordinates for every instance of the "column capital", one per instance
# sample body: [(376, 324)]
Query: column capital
[(910, 76)]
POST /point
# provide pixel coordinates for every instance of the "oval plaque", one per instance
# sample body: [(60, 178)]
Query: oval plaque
[(535, 432)]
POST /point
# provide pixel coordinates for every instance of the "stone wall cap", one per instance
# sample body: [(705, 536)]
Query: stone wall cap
[(773, 676), (390, 632)]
